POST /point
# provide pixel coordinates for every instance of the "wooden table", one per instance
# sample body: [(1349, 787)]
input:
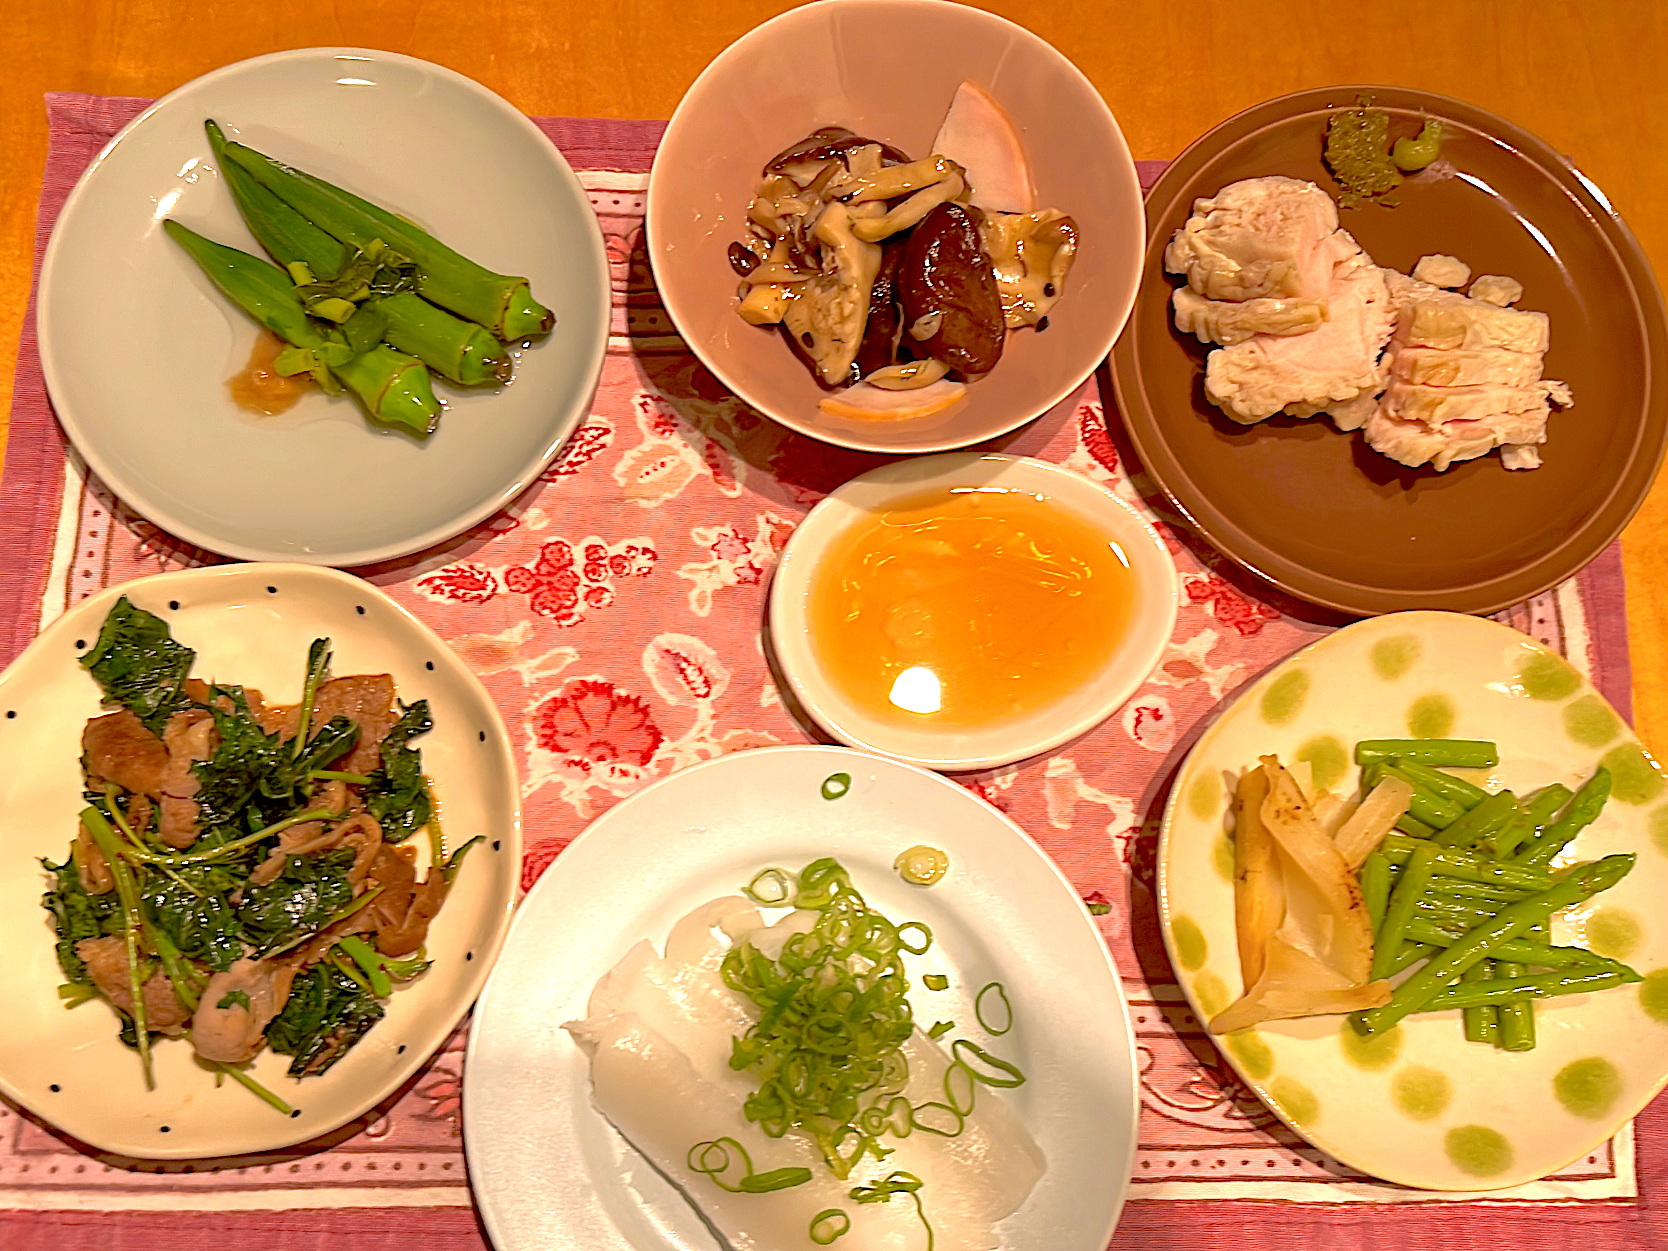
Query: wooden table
[(1586, 75)]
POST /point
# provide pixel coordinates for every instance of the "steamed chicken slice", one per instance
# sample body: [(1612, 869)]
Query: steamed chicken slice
[(1259, 237), (1306, 373), (1234, 321), (1466, 379), (658, 1032)]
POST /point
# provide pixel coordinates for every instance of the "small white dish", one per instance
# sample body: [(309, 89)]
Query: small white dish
[(1152, 618), (249, 624), (549, 1172), (141, 387)]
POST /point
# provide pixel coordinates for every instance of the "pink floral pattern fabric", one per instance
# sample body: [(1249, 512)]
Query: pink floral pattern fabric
[(614, 612)]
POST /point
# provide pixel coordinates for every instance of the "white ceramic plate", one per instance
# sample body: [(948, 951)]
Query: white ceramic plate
[(1157, 590), (549, 1172), (136, 344), (1427, 1108), (249, 624)]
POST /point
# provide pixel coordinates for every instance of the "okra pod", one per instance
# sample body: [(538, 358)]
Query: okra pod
[(1439, 753), (394, 387), (286, 235), (500, 302), (261, 290), (458, 350)]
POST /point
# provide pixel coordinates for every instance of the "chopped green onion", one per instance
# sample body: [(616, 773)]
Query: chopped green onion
[(1001, 1019), (835, 785), (770, 887), (829, 1224), (713, 1159), (935, 981), (940, 1029)]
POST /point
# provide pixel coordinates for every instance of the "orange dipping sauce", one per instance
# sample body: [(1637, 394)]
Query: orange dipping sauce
[(261, 389), (968, 607)]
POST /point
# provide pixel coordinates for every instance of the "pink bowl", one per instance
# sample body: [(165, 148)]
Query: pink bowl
[(888, 70)]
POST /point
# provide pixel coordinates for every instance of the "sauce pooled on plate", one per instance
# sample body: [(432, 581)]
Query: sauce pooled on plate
[(968, 607)]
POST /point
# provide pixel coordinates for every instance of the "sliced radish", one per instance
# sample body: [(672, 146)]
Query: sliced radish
[(866, 402), (978, 136)]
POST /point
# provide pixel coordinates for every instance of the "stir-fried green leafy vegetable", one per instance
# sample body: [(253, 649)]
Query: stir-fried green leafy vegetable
[(246, 893)]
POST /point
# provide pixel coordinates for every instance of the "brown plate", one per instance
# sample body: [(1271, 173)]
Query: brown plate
[(1319, 513)]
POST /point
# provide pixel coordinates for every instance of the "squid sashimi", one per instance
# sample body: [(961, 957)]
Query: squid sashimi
[(660, 1032)]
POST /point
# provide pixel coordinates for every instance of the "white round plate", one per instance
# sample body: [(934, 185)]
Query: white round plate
[(549, 1172), (1427, 1108), (251, 625), (1157, 592), (141, 387)]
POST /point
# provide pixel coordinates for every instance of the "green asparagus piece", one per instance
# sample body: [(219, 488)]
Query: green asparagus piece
[(1544, 804), (1410, 955), (1411, 825), (1375, 887), (1512, 920), (1480, 823), (1461, 891), (1480, 1023), (1439, 753), (501, 303), (1513, 834), (1582, 811), (1466, 794), (1410, 886), (1459, 864), (1517, 1016), (1524, 950), (1573, 981)]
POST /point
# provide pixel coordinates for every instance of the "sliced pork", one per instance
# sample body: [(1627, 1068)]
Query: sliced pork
[(106, 961), (237, 1006)]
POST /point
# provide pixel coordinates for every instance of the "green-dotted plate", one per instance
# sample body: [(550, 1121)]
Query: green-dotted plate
[(1421, 1106)]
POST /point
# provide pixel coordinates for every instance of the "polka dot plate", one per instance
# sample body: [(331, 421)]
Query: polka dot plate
[(249, 624), (1422, 1106)]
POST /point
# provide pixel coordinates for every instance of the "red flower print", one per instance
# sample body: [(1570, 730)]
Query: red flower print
[(588, 442), (593, 723), (1091, 427), (1247, 616), (537, 859), (551, 584), (462, 584), (444, 1091), (561, 583), (620, 247)]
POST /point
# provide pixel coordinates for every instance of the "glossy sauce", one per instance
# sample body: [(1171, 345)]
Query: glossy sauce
[(261, 389), (968, 607)]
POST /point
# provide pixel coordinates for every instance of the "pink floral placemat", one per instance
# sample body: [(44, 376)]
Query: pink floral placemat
[(614, 613)]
